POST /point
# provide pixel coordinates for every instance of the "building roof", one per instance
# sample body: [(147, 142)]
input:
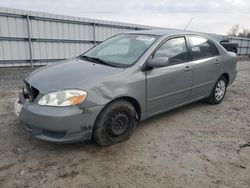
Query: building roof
[(163, 32)]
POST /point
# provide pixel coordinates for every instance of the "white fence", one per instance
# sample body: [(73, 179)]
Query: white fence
[(244, 45), (35, 38)]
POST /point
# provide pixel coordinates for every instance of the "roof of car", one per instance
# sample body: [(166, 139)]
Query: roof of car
[(163, 32)]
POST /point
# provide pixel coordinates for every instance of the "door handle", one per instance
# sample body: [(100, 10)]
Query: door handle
[(217, 61), (187, 68)]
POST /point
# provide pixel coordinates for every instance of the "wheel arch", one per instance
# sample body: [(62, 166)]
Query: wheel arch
[(129, 99), (226, 75), (132, 101)]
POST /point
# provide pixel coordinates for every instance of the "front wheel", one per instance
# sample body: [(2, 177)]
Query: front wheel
[(115, 123), (218, 91)]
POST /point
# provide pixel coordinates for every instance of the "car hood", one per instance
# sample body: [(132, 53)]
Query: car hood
[(70, 74)]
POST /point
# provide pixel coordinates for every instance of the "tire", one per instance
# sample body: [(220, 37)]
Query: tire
[(218, 92), (115, 123)]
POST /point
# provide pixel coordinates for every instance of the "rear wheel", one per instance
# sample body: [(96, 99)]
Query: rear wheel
[(218, 91), (115, 123)]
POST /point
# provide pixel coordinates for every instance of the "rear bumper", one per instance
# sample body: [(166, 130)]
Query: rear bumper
[(59, 124)]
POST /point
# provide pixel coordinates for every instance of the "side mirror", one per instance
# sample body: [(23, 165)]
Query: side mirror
[(157, 62)]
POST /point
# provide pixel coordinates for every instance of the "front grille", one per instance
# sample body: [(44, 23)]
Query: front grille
[(54, 134), (32, 92), (28, 128)]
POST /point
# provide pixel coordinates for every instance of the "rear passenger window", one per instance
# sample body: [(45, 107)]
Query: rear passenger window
[(202, 48), (214, 49), (174, 49)]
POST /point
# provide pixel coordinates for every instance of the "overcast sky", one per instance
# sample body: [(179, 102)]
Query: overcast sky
[(214, 16)]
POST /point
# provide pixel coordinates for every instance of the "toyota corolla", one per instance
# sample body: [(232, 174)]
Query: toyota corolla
[(104, 93)]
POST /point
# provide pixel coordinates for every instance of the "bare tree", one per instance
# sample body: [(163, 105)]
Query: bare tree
[(234, 30), (244, 33), (237, 32)]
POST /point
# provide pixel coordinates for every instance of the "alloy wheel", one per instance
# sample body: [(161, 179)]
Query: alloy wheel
[(220, 90)]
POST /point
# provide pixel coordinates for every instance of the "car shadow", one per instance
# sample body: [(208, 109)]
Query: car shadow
[(176, 111)]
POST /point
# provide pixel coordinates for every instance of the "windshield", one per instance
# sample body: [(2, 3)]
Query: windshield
[(122, 50)]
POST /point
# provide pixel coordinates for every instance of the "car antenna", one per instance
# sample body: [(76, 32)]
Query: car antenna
[(188, 24)]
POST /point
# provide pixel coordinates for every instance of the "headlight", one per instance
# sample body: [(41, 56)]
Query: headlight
[(63, 98)]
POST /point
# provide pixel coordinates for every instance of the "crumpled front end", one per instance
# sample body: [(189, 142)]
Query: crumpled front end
[(55, 124)]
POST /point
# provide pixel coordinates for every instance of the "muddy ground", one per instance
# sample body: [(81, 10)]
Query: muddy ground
[(195, 146)]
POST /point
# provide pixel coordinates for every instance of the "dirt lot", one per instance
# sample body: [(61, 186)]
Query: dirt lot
[(195, 146)]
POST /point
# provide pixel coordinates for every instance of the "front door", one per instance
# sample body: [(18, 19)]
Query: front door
[(169, 86)]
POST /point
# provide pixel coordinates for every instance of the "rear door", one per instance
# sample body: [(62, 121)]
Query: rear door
[(205, 65), (171, 85)]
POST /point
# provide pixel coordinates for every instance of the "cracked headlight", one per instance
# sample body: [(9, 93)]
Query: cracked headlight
[(63, 98)]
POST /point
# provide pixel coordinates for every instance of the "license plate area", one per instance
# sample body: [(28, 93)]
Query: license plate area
[(18, 107), (23, 96)]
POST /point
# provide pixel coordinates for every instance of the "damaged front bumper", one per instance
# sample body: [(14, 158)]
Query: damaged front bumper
[(57, 124)]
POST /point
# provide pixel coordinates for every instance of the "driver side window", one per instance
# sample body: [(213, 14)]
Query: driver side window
[(174, 49)]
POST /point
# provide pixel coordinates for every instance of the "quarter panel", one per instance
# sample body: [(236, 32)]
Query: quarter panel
[(228, 65)]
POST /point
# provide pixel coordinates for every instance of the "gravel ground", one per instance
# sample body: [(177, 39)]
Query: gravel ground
[(199, 145)]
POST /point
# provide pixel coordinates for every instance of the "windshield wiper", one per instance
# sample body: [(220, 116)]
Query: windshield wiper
[(97, 60)]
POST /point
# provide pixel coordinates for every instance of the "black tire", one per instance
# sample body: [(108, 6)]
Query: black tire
[(213, 99), (115, 123)]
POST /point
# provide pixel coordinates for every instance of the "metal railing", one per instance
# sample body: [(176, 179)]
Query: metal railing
[(244, 45)]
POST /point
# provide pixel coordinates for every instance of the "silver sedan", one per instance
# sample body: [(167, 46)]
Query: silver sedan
[(104, 93)]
